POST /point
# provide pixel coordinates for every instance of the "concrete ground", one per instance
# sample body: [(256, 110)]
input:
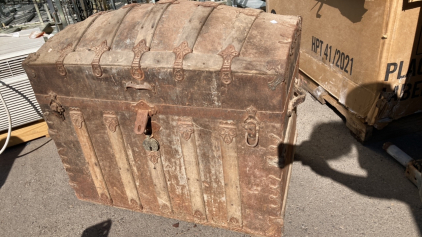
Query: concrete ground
[(338, 188)]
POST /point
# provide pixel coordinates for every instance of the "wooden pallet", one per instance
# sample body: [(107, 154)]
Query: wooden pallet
[(25, 133), (357, 126)]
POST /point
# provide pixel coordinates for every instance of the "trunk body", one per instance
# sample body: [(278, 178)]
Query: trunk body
[(178, 109)]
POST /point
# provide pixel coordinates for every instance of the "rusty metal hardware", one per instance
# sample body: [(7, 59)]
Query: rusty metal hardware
[(143, 112), (251, 125), (141, 121), (299, 98), (185, 129), (276, 66), (33, 74), (226, 72), (76, 117), (139, 50), (413, 173), (59, 62), (296, 37), (95, 64), (111, 121), (56, 107), (227, 131), (32, 57), (153, 156), (180, 52), (143, 86), (150, 144), (413, 167)]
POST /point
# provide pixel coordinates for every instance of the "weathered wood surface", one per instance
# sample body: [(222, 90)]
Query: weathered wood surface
[(25, 133), (178, 109)]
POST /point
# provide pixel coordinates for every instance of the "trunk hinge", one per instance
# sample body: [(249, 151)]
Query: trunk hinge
[(139, 50), (63, 54), (226, 72), (99, 50), (180, 52)]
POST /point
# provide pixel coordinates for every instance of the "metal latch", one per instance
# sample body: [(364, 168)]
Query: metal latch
[(151, 145), (251, 125), (143, 113)]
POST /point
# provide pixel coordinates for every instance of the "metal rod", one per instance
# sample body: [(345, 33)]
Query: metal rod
[(48, 12), (397, 154), (113, 5), (61, 14), (84, 8), (78, 14), (38, 11), (53, 12), (412, 172), (67, 12)]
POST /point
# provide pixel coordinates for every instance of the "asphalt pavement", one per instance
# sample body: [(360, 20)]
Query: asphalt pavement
[(338, 187)]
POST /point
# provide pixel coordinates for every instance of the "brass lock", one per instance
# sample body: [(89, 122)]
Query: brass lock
[(150, 144)]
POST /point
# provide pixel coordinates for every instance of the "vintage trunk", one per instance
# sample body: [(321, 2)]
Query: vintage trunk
[(180, 109)]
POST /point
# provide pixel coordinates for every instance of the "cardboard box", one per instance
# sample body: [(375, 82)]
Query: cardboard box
[(367, 54)]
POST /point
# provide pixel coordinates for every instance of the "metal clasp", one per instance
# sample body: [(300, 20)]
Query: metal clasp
[(143, 113)]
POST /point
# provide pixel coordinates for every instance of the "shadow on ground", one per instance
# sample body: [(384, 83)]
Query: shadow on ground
[(11, 154), (99, 230), (325, 144)]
